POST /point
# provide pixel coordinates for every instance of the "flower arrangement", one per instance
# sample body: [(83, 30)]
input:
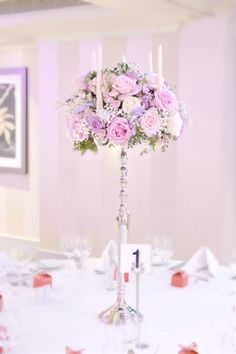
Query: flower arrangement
[(128, 108)]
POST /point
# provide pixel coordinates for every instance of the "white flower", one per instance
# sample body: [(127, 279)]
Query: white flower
[(175, 124), (80, 134), (130, 103), (104, 114)]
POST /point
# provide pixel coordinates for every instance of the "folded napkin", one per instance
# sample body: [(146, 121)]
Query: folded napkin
[(192, 349), (68, 350), (110, 251), (203, 264)]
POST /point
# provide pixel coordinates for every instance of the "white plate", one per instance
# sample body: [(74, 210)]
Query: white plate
[(14, 279), (51, 263), (15, 273)]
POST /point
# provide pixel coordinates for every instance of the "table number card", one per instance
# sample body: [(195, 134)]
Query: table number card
[(135, 255)]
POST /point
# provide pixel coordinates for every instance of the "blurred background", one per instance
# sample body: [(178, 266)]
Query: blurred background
[(188, 193)]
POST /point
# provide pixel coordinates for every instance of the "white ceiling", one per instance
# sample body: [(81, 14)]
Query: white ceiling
[(99, 17)]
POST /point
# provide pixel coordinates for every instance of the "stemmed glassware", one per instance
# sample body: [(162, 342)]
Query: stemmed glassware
[(83, 249), (20, 262), (4, 266), (76, 247), (67, 246), (162, 249)]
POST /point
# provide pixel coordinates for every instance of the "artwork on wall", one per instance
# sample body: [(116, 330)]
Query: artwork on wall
[(13, 120)]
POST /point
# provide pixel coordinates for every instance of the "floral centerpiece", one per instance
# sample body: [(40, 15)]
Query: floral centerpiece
[(131, 109)]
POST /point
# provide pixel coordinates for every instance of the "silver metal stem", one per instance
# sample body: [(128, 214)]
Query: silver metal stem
[(120, 312), (137, 308)]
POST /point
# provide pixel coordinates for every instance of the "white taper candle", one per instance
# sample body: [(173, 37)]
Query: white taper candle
[(150, 63), (99, 76), (94, 61), (159, 66)]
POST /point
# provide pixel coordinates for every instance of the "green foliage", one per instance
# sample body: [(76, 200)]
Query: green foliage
[(121, 68), (86, 145), (92, 75), (138, 138), (153, 142)]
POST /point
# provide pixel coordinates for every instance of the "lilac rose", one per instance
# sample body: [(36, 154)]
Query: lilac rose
[(95, 123), (119, 131), (150, 122), (165, 99)]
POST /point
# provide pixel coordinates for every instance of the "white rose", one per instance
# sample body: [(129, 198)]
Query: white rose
[(130, 103), (175, 124)]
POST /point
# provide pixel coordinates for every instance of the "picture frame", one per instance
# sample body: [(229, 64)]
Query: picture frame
[(13, 120)]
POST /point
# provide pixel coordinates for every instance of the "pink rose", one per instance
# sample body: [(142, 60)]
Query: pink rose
[(114, 103), (165, 99), (150, 122), (125, 85), (119, 131)]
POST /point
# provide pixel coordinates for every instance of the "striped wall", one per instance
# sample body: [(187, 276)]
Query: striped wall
[(66, 193)]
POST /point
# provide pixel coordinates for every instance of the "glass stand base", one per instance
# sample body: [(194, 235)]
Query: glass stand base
[(117, 315)]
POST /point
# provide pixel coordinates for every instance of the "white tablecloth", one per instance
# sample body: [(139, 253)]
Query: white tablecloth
[(175, 316)]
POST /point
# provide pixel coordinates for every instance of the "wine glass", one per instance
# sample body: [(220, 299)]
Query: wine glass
[(168, 249), (20, 263), (4, 266), (83, 249), (67, 246), (120, 340)]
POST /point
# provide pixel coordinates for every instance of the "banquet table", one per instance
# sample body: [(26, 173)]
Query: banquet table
[(174, 316)]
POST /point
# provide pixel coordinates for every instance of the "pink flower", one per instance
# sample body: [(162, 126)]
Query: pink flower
[(165, 99), (125, 85), (102, 134), (92, 85), (150, 122), (76, 129), (107, 82), (73, 122), (114, 102), (119, 131), (81, 83)]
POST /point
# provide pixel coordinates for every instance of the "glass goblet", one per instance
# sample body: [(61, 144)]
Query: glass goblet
[(83, 249), (67, 246)]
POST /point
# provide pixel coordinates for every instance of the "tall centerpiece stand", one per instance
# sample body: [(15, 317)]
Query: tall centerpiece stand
[(120, 312), (122, 107)]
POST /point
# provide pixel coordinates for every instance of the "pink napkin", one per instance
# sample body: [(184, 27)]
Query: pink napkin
[(68, 350), (191, 349), (42, 279), (3, 333), (179, 279)]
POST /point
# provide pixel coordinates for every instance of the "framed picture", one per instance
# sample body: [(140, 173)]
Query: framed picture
[(13, 120)]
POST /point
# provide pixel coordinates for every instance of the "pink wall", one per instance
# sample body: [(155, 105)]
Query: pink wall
[(206, 83)]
